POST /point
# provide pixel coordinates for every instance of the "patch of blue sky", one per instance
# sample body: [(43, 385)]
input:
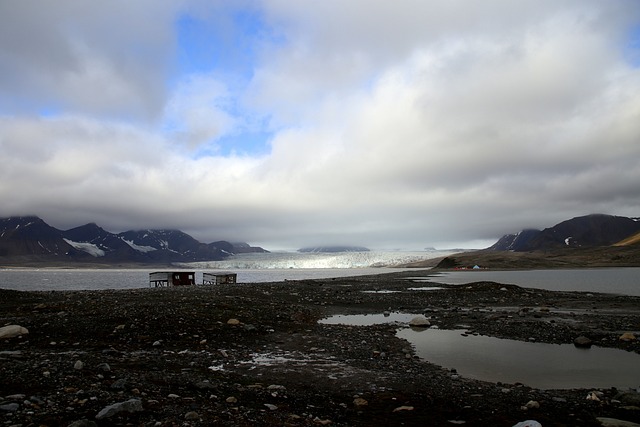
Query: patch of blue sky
[(230, 40), (226, 45), (632, 47), (249, 143)]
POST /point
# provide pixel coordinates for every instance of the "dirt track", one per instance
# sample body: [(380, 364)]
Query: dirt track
[(254, 354)]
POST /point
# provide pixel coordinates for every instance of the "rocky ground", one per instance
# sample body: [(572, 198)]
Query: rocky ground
[(255, 354)]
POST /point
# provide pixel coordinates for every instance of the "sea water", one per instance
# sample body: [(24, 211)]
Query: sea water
[(624, 281), (250, 268)]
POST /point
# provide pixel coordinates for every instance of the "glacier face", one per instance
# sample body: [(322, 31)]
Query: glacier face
[(316, 260)]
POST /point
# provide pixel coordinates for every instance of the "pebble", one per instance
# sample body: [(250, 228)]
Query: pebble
[(11, 331), (83, 423), (131, 405), (79, 365), (18, 396), (9, 407), (404, 408), (627, 336), (191, 416), (104, 367), (359, 402)]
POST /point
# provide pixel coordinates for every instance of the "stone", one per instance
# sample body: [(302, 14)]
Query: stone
[(119, 384), (358, 401), (528, 423), (532, 404), (83, 423), (403, 408), (630, 398), (613, 422), (419, 322), (131, 405), (104, 367), (11, 331), (233, 322), (231, 399), (191, 416), (627, 336), (270, 406), (18, 396), (204, 385), (9, 407), (79, 365), (593, 396), (582, 341)]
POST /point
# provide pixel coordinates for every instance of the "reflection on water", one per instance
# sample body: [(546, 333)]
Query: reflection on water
[(368, 319), (538, 365), (608, 280)]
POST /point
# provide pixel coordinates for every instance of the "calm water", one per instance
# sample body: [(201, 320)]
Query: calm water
[(608, 280), (538, 365), (87, 279)]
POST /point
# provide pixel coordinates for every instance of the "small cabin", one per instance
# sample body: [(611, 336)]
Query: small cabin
[(219, 278), (172, 278)]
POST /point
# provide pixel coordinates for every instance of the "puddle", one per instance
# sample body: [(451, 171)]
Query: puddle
[(426, 288), (368, 319), (538, 365)]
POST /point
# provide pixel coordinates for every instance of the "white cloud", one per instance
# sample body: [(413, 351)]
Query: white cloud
[(196, 114), (430, 124)]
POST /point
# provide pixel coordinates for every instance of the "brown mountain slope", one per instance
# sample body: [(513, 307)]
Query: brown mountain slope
[(631, 240)]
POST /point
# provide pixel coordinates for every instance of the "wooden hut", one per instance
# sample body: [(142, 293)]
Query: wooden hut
[(219, 278), (172, 278)]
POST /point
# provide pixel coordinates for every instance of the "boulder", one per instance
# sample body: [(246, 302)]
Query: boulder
[(528, 423), (627, 336), (630, 398), (582, 341), (419, 322), (131, 405), (11, 331)]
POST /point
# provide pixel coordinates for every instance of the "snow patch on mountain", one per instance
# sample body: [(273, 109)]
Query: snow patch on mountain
[(89, 248), (139, 248)]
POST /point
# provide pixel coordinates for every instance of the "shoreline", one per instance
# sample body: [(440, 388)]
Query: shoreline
[(255, 354)]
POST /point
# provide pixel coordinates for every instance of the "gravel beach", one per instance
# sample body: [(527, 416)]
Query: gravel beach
[(256, 354)]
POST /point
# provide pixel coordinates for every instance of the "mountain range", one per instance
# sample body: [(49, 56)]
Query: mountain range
[(30, 240), (581, 232), (595, 240)]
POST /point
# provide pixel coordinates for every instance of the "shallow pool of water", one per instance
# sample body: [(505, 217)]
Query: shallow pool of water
[(368, 319), (538, 365)]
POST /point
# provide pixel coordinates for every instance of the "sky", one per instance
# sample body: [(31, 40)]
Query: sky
[(391, 125)]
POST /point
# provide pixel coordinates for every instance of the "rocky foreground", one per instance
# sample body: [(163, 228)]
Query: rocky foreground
[(255, 354)]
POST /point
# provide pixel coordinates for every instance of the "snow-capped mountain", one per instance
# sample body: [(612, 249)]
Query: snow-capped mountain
[(31, 239), (584, 231)]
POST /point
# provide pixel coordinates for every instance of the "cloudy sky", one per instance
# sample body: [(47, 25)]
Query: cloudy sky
[(402, 124)]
